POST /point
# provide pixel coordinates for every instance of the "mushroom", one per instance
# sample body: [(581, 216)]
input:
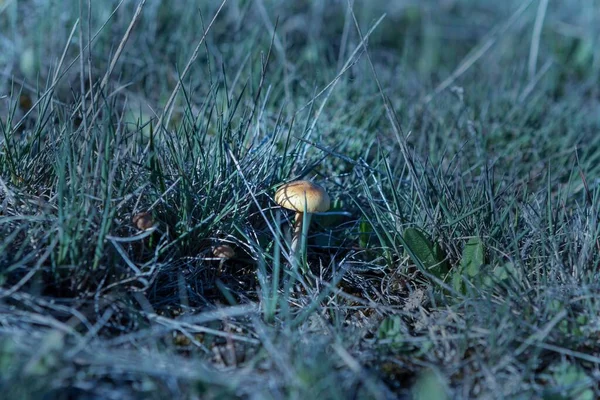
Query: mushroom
[(143, 221), (223, 252), (302, 197)]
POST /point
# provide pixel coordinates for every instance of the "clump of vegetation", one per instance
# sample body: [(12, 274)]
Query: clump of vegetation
[(143, 254)]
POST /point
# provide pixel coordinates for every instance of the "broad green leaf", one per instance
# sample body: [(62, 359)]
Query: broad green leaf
[(440, 256), (421, 248)]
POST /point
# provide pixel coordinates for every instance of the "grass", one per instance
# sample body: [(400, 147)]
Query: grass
[(457, 141)]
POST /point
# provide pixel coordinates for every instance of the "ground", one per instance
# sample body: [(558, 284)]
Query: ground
[(457, 140)]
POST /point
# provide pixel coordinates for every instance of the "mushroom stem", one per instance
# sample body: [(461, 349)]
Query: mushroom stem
[(303, 197), (298, 224), (220, 269)]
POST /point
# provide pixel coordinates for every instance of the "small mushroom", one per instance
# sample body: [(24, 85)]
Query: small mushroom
[(143, 221), (223, 252), (302, 197)]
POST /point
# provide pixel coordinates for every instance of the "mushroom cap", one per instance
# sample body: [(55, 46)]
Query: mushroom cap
[(224, 252), (143, 221), (302, 196)]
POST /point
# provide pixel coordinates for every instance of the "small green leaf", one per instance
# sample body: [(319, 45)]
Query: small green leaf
[(571, 383), (422, 252), (472, 257), (394, 331), (429, 386), (366, 230), (391, 328), (457, 281), (501, 273)]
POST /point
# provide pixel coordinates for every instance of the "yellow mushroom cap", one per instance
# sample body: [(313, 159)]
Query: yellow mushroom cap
[(298, 194), (224, 251)]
